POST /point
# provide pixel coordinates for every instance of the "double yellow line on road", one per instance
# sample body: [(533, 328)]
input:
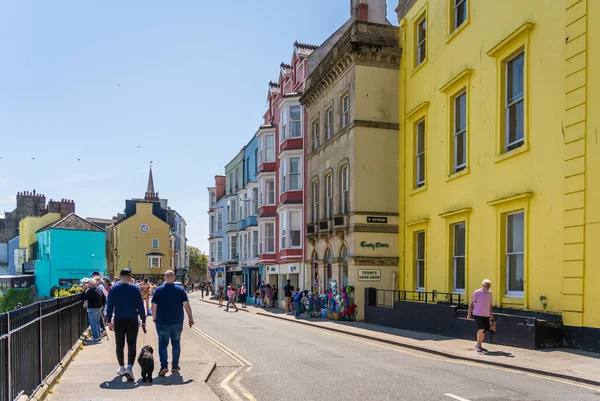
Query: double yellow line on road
[(243, 362)]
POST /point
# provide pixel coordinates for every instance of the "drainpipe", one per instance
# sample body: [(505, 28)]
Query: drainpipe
[(402, 152)]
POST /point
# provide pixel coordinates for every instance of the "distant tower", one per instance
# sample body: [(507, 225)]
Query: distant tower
[(151, 195)]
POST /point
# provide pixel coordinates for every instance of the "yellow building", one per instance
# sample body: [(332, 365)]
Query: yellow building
[(142, 239), (28, 227), (496, 155)]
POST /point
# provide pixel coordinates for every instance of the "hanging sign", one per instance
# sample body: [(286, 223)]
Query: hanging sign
[(369, 275)]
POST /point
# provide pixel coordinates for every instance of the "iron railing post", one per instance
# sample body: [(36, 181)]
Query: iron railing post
[(10, 397), (41, 358)]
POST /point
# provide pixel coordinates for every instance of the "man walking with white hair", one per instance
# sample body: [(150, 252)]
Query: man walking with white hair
[(480, 310)]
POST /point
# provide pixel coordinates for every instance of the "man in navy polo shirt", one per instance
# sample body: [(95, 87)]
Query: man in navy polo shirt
[(168, 302)]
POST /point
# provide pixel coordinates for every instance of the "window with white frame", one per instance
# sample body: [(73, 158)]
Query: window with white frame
[(515, 253), (460, 12), (213, 198), (154, 262), (254, 235), (345, 111), (315, 130), (155, 243), (315, 201), (254, 201), (232, 206), (233, 249), (219, 251), (243, 206), (283, 171), (460, 132), (213, 252), (344, 189), (329, 196), (213, 224), (420, 154), (420, 260), (267, 191), (243, 246), (295, 183), (219, 220), (283, 133), (295, 121), (283, 223), (421, 41), (237, 180), (230, 183), (514, 130), (459, 256), (267, 238), (294, 229), (267, 148), (330, 123)]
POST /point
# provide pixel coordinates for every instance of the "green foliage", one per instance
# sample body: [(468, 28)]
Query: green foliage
[(198, 264), (61, 292), (13, 296)]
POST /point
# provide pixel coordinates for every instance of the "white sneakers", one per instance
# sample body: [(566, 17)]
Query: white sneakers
[(121, 371), (127, 372)]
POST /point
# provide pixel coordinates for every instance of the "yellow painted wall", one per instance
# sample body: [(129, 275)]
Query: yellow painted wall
[(133, 245), (535, 178), (30, 225)]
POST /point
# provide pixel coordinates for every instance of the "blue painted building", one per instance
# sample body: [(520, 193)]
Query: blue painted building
[(217, 239), (248, 224), (68, 250), (13, 245)]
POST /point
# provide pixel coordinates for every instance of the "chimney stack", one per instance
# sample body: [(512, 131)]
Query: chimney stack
[(363, 11)]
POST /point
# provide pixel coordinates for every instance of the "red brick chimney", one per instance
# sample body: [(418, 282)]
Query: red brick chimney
[(363, 12), (67, 207), (220, 185)]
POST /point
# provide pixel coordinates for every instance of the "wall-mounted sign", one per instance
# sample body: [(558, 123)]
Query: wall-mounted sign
[(369, 275), (372, 245), (144, 228), (374, 219), (273, 269)]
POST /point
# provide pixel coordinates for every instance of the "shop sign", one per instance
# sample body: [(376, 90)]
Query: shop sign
[(273, 269), (369, 275), (372, 245), (234, 268), (292, 269), (375, 219)]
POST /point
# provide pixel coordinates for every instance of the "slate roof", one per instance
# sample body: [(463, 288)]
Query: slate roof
[(72, 222)]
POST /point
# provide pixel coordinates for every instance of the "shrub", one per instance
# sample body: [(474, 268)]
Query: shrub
[(62, 292), (13, 296)]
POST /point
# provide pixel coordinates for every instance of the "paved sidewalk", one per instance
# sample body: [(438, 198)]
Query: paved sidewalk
[(561, 363), (93, 374)]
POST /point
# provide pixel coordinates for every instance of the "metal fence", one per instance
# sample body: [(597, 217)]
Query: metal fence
[(33, 341), (387, 298)]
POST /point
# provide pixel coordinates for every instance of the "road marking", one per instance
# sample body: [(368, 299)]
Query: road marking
[(236, 357), (456, 397), (399, 349), (225, 385)]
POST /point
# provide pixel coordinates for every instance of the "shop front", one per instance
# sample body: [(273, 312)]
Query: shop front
[(234, 275), (252, 277), (218, 275), (288, 271)]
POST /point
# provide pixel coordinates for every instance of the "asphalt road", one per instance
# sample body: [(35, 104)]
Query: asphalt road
[(275, 360)]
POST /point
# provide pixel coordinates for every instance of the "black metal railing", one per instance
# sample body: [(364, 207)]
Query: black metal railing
[(388, 298), (33, 341)]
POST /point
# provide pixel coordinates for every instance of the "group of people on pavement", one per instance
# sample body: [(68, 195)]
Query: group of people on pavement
[(123, 305)]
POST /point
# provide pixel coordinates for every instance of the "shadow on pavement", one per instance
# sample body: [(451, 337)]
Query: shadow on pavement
[(119, 383), (499, 353), (175, 379)]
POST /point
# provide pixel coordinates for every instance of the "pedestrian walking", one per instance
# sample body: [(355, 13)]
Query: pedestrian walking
[(168, 303), (100, 285), (231, 294), (298, 302), (261, 299), (126, 304), (480, 310), (275, 298), (287, 293), (95, 302), (220, 295), (269, 295), (243, 294), (145, 288)]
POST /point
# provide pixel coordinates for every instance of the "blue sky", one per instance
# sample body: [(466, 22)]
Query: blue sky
[(184, 80)]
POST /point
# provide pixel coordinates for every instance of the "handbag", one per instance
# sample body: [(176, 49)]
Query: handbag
[(492, 325)]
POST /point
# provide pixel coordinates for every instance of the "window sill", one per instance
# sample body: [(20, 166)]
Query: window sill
[(417, 190), (417, 68), (513, 300), (511, 153), (461, 173), (457, 31)]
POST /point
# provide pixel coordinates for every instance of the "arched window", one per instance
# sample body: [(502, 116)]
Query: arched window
[(344, 267)]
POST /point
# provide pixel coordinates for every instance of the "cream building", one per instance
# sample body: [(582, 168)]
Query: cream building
[(351, 175)]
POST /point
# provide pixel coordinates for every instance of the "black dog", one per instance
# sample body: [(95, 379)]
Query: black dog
[(146, 361)]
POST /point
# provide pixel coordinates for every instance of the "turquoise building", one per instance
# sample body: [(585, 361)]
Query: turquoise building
[(68, 250)]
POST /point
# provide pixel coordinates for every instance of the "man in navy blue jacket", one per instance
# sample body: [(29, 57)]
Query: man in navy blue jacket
[(125, 301)]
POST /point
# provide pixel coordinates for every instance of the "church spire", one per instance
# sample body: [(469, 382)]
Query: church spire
[(151, 195)]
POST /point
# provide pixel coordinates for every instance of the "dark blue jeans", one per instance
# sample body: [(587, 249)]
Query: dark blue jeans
[(298, 307), (166, 333)]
